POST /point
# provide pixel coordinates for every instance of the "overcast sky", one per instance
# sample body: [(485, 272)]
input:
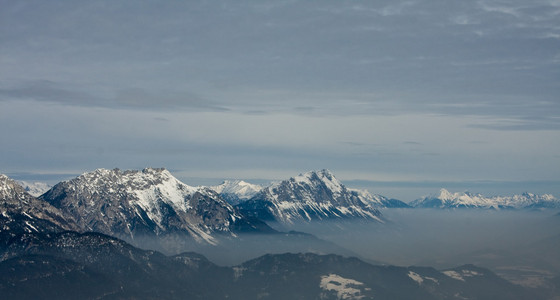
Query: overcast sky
[(400, 97)]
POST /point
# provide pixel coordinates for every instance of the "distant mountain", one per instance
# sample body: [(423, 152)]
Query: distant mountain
[(236, 191), (91, 266), (310, 196), (446, 199), (138, 204), (35, 189)]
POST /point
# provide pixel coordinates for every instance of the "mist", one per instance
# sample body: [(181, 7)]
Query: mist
[(518, 245)]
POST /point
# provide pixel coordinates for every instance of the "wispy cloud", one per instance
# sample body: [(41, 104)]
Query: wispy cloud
[(521, 124), (137, 98), (498, 8)]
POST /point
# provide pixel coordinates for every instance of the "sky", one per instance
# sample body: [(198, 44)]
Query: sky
[(399, 97)]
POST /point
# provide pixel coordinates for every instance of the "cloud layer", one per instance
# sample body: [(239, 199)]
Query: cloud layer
[(398, 90)]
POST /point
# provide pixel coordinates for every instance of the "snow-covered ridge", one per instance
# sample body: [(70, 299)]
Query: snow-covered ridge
[(148, 185), (446, 199), (132, 179)]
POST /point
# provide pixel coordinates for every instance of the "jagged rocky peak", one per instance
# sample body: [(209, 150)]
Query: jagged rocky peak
[(14, 196), (324, 178), (10, 189), (314, 195), (134, 179), (21, 212), (314, 186), (150, 202)]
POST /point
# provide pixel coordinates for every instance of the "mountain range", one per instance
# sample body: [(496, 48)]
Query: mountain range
[(67, 243), (151, 202), (446, 199)]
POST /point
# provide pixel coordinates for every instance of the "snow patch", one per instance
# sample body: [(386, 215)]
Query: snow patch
[(31, 226), (345, 288), (454, 275), (419, 278), (416, 277)]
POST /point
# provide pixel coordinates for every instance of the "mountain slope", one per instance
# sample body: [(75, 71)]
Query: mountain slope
[(311, 276), (93, 266), (378, 201), (151, 202), (21, 213), (446, 199), (310, 196)]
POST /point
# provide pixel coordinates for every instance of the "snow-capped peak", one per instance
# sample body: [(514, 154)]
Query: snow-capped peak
[(314, 195), (325, 176), (443, 194), (148, 185), (9, 188), (242, 189)]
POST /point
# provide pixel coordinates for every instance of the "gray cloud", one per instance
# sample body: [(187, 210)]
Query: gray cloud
[(211, 56)]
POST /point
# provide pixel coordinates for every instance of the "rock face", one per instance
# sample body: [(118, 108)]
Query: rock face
[(151, 202), (21, 213), (446, 199), (310, 196)]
